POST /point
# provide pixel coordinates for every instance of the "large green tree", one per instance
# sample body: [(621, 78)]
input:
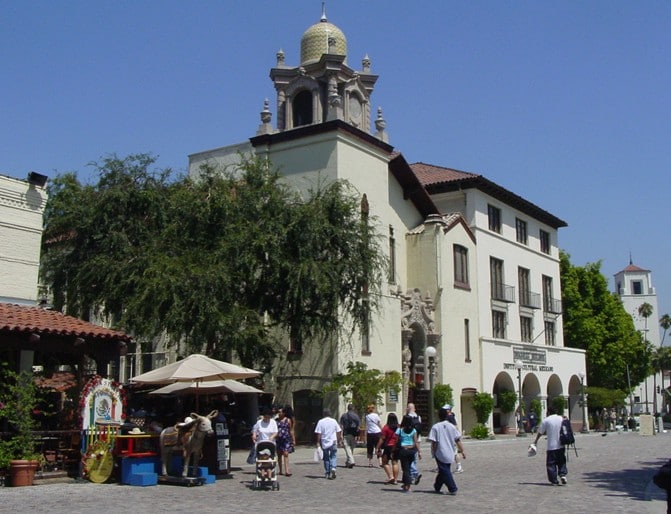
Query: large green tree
[(216, 263), (595, 320)]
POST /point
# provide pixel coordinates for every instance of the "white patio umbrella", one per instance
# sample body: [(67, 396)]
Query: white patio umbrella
[(209, 387), (197, 369)]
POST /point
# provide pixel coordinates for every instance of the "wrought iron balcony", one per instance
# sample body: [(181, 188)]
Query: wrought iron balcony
[(529, 299), (552, 305), (503, 293)]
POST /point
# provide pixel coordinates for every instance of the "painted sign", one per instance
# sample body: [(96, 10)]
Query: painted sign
[(102, 401)]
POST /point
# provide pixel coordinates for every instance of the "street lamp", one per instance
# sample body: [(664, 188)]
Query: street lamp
[(582, 402), (520, 424), (431, 355)]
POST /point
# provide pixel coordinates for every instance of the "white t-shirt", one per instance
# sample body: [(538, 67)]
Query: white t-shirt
[(445, 435), (373, 423), (551, 427), (264, 430), (328, 428)]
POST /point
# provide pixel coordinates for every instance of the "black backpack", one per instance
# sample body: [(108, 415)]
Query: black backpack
[(566, 437), (352, 427)]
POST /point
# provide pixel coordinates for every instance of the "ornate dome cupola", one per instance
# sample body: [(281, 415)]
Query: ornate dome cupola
[(322, 38), (323, 87)]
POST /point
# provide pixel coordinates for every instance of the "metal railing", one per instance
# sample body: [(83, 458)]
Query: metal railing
[(503, 292)]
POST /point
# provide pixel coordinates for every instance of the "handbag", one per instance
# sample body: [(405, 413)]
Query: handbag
[(318, 454)]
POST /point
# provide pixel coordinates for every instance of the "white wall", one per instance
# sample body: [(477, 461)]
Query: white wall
[(21, 211)]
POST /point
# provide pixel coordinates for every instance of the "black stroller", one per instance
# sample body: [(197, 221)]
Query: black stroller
[(266, 466)]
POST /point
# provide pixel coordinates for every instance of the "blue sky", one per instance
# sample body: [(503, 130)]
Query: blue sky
[(567, 104)]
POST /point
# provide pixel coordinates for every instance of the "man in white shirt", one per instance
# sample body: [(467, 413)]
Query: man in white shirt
[(445, 437), (329, 436), (555, 460)]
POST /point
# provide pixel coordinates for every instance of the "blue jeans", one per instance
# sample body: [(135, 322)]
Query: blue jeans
[(555, 462), (413, 467), (330, 456), (444, 477)]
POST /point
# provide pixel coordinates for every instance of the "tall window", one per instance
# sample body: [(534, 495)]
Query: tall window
[(545, 241), (521, 228), (523, 286), (494, 214), (467, 340), (499, 324), (550, 333), (460, 266), (496, 278), (636, 287), (547, 294), (392, 256), (526, 328)]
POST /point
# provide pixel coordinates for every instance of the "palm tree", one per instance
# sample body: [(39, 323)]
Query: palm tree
[(665, 323), (645, 311)]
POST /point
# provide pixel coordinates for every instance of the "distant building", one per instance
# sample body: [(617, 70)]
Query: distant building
[(33, 338), (22, 205), (474, 267), (634, 287)]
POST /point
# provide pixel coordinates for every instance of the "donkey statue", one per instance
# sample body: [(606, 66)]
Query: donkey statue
[(187, 437)]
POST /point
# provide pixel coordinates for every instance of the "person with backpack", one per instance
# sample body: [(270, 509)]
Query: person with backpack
[(349, 422), (555, 459)]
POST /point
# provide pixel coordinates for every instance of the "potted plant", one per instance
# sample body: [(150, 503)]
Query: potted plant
[(507, 401), (18, 398)]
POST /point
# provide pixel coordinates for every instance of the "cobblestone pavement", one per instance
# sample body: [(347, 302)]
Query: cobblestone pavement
[(611, 474)]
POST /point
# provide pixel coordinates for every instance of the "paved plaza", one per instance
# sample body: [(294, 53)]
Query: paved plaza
[(611, 474)]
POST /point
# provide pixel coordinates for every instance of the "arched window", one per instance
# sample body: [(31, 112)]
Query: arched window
[(302, 108)]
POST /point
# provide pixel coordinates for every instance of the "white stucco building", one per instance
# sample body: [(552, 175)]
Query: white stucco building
[(22, 205), (634, 286), (474, 267)]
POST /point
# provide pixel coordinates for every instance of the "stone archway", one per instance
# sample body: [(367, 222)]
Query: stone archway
[(417, 332)]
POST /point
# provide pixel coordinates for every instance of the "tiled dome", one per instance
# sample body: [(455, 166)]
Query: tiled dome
[(314, 42)]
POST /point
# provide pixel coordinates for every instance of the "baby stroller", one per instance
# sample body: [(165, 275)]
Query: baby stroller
[(266, 464)]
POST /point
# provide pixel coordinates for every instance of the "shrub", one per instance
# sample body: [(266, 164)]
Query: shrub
[(479, 431), (537, 408), (507, 401), (483, 403), (442, 394), (559, 403)]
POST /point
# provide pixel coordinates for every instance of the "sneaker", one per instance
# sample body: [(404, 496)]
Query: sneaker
[(436, 490), (452, 493), (459, 469), (418, 478), (333, 474), (563, 480)]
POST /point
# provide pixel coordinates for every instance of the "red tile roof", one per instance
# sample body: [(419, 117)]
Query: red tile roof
[(430, 174), (22, 318), (633, 267), (437, 180)]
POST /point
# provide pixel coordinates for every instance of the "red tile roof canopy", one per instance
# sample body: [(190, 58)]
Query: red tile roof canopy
[(21, 319), (437, 179)]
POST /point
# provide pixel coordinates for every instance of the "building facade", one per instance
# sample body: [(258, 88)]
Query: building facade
[(22, 205), (633, 285), (474, 268)]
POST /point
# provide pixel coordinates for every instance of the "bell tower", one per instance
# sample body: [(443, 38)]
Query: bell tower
[(323, 87)]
